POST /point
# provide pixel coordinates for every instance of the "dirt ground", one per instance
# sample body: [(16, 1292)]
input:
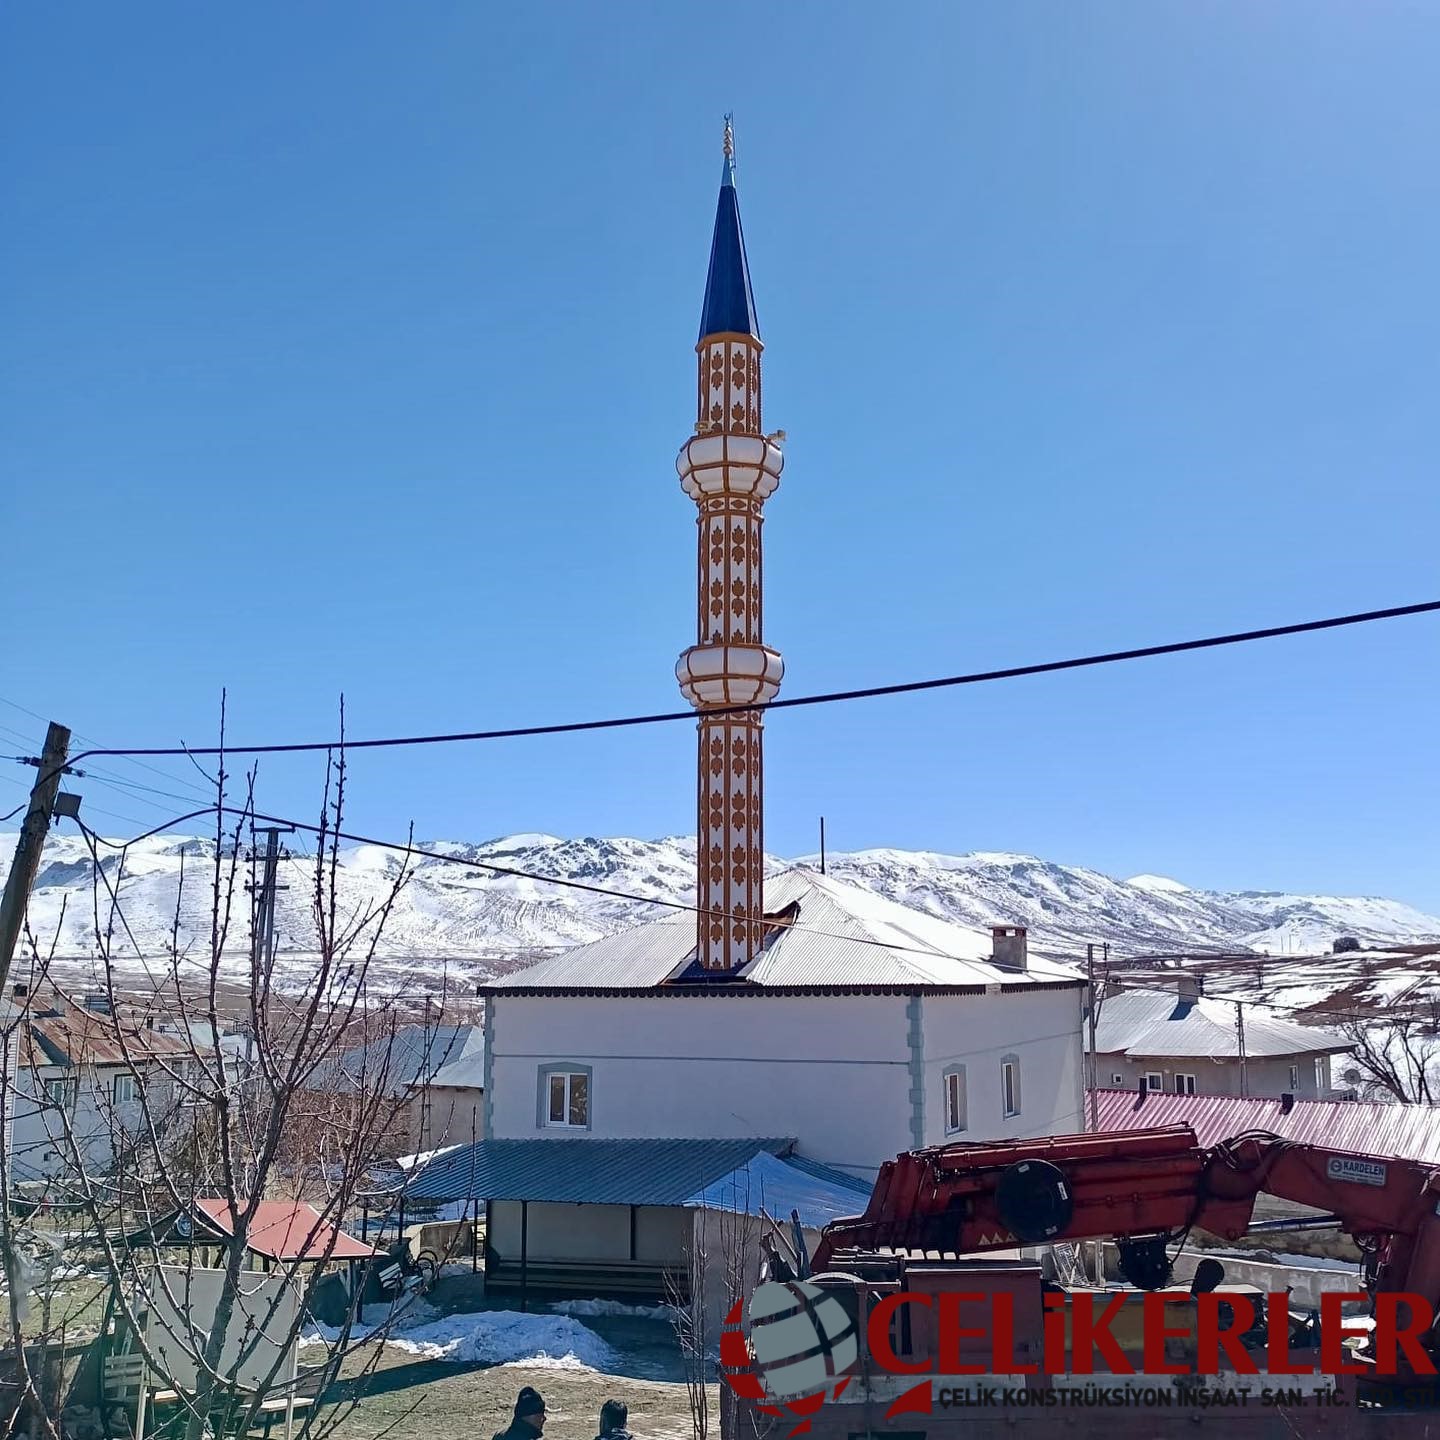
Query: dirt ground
[(406, 1397)]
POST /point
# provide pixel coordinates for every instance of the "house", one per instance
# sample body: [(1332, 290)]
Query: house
[(862, 1029), (80, 1073), (434, 1073), (1182, 1041), (10, 1019)]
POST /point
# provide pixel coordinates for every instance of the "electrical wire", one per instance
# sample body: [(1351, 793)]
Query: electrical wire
[(564, 882), (91, 740), (829, 698)]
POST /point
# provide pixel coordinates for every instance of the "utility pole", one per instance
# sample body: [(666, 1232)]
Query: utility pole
[(1094, 1005), (822, 844), (1240, 1042), (262, 924), (32, 840)]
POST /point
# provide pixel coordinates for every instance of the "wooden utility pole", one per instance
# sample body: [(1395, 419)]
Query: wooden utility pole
[(32, 840)]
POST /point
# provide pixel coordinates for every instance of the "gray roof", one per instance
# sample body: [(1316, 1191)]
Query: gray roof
[(466, 1074), (597, 1172), (1151, 1024), (408, 1057), (837, 936)]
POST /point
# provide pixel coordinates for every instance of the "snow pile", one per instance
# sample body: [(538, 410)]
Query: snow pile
[(487, 1337), (613, 1307), (506, 1337), (408, 1311)]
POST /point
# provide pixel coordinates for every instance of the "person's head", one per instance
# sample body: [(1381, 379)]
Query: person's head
[(530, 1408), (613, 1415)]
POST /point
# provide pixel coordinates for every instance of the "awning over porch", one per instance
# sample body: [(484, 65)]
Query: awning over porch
[(739, 1175)]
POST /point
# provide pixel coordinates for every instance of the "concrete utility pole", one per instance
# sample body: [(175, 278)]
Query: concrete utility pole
[(1240, 1045), (262, 927), (32, 840), (1094, 1078)]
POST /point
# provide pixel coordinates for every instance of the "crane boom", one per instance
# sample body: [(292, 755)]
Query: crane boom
[(1145, 1189)]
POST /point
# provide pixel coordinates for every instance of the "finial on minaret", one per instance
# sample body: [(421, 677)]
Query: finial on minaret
[(729, 137)]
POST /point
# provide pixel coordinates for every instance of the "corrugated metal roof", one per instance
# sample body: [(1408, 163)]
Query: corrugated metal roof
[(406, 1057), (85, 1037), (838, 935), (1411, 1132), (287, 1230), (1151, 1023), (596, 1172), (467, 1074)]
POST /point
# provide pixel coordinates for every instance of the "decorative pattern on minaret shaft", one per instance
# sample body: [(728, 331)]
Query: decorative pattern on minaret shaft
[(729, 468)]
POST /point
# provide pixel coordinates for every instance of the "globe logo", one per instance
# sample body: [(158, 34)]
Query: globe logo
[(803, 1342)]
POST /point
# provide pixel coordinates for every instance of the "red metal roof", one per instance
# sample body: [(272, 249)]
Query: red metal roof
[(1408, 1132), (288, 1230)]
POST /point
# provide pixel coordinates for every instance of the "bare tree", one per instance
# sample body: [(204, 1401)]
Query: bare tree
[(164, 1175), (1399, 1058)]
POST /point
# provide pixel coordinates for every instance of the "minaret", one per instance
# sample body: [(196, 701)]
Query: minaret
[(729, 469)]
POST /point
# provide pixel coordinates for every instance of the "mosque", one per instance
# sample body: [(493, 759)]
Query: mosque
[(773, 1048)]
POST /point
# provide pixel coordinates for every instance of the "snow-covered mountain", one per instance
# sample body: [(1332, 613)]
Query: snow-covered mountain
[(485, 920)]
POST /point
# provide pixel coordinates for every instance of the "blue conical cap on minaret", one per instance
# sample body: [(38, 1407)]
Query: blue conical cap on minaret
[(729, 305)]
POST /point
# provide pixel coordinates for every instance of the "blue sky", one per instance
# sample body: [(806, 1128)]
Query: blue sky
[(348, 348)]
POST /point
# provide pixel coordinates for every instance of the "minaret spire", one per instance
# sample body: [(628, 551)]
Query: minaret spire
[(729, 468)]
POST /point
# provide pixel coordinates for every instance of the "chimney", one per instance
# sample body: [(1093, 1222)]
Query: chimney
[(1287, 1102), (98, 1002), (1009, 949), (1190, 987), (21, 991)]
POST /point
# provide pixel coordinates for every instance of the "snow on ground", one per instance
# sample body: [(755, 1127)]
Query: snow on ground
[(501, 1337), (409, 1162), (1286, 1258), (485, 1337), (613, 1307)]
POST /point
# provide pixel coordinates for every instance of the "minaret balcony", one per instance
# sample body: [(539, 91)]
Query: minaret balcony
[(722, 464), (715, 676)]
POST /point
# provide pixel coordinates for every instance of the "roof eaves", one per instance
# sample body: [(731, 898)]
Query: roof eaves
[(709, 991)]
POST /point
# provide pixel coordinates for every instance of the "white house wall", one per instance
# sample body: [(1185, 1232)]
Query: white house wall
[(1266, 1075), (855, 1079), (43, 1150), (1041, 1030)]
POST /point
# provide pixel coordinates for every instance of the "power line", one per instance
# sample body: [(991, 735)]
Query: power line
[(680, 905), (91, 740), (695, 909), (828, 698)]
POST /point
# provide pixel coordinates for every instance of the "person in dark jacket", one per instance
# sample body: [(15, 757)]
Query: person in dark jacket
[(529, 1419), (614, 1418)]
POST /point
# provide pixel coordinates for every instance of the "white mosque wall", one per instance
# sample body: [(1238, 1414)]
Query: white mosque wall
[(855, 1079), (1040, 1033)]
